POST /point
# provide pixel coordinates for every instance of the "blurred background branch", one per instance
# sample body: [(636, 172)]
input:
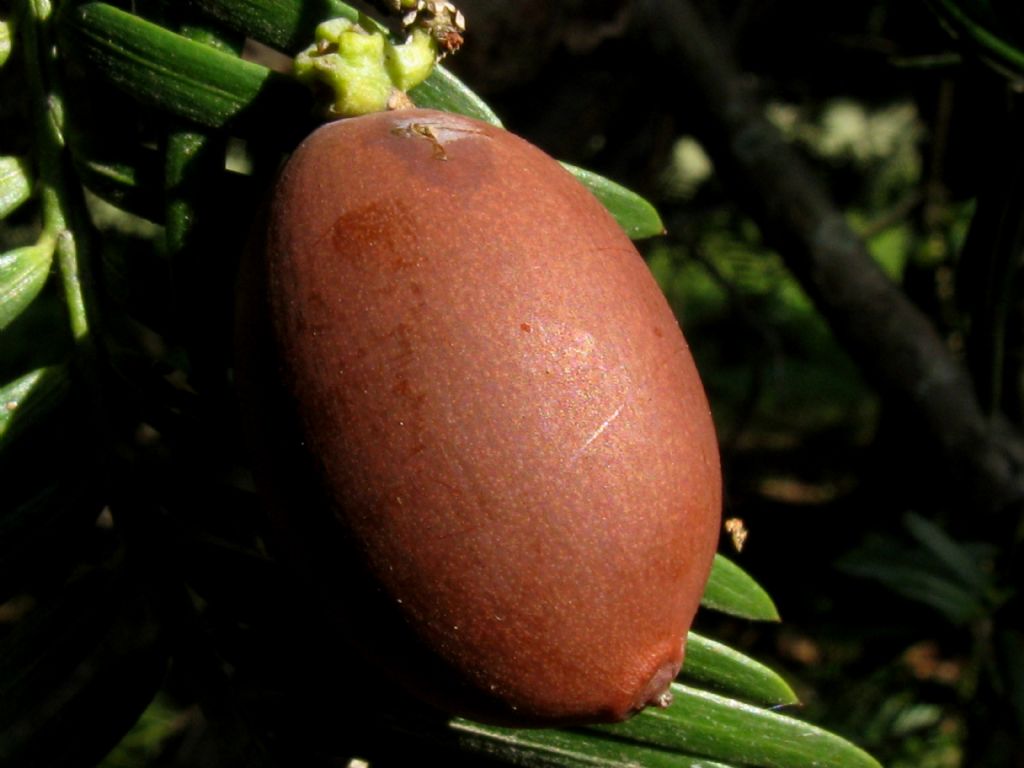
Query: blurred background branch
[(891, 339)]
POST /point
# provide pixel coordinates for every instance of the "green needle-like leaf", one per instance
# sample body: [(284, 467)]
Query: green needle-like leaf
[(952, 555), (131, 186), (443, 90), (23, 272), (284, 24), (6, 37), (921, 579), (634, 214), (731, 590), (15, 184), (996, 49), (26, 400), (181, 76), (567, 749), (698, 722), (732, 673)]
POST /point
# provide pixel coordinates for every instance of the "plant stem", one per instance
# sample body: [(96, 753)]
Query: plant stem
[(60, 221), (66, 220)]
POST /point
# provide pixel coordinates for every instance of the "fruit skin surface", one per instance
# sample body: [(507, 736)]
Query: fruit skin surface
[(476, 421)]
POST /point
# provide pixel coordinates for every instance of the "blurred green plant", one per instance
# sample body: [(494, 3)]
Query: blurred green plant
[(955, 578)]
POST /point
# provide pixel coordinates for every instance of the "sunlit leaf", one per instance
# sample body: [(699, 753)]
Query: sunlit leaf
[(6, 38), (284, 24), (23, 273), (567, 749), (732, 673), (25, 401), (698, 722), (698, 729), (731, 590), (635, 215), (15, 184), (181, 76), (442, 90)]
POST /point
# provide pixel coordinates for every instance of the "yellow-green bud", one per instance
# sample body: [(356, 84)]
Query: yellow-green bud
[(363, 70)]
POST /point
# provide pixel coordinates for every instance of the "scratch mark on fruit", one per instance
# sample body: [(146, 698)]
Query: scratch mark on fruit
[(597, 433), (441, 130), (427, 132)]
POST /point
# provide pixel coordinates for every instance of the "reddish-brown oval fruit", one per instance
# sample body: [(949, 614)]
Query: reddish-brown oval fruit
[(487, 441)]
